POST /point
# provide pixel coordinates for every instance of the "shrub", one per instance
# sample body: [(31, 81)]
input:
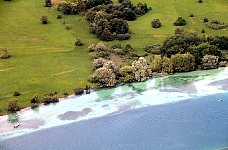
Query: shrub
[(87, 89), (106, 35), (16, 93), (216, 25), (167, 66), (59, 16), (191, 15), (200, 1), (180, 22), (126, 74), (139, 68), (13, 105), (104, 76), (183, 62), (122, 37), (68, 26), (153, 49), (44, 19), (50, 99), (47, 3), (209, 62), (179, 31), (35, 102), (98, 63), (223, 64), (155, 63), (156, 23), (78, 42), (205, 20), (78, 90), (5, 54), (202, 31)]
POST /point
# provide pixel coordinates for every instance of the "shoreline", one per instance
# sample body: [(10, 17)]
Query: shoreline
[(98, 88)]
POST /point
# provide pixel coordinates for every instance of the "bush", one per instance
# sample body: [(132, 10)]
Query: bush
[(139, 68), (13, 105), (156, 23), (47, 3), (16, 93), (104, 76), (50, 99), (155, 63), (216, 25), (223, 64), (44, 19), (153, 49), (5, 54), (78, 90), (122, 37), (180, 22), (35, 102), (78, 42), (179, 31), (200, 1), (202, 31), (127, 76), (98, 63), (209, 62), (68, 26), (205, 20), (59, 17), (191, 15), (167, 66), (183, 62)]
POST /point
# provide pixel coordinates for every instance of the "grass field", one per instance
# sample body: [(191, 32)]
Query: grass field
[(45, 59)]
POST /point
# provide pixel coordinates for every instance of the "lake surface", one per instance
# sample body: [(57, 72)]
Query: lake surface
[(182, 111)]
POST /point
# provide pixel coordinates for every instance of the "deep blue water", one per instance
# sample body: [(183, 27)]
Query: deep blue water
[(195, 124)]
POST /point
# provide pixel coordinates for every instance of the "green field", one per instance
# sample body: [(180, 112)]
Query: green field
[(45, 58)]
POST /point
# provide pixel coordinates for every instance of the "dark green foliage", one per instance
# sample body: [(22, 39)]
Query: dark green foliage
[(7, 0), (220, 41), (78, 42), (106, 35), (153, 49), (16, 93), (87, 89), (107, 21), (78, 90), (44, 19), (156, 23), (179, 22), (195, 45), (183, 62), (35, 102), (202, 31), (205, 20), (126, 74), (200, 1), (47, 3), (50, 98), (119, 26), (122, 37), (216, 25), (13, 105)]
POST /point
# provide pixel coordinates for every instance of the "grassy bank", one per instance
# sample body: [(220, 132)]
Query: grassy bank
[(45, 59)]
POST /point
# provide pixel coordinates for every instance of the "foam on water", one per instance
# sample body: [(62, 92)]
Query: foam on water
[(156, 91)]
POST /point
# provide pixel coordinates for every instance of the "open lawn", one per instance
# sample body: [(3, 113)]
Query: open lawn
[(45, 58)]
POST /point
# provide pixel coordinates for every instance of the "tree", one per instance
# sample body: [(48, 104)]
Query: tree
[(13, 105), (106, 35), (156, 23), (139, 68), (47, 3), (119, 26), (180, 22), (183, 62), (104, 76)]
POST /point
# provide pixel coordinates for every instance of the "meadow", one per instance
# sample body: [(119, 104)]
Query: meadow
[(45, 58)]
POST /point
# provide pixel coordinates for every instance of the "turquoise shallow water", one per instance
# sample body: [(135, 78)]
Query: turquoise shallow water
[(183, 111)]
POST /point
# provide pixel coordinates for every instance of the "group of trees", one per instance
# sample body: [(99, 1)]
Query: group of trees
[(108, 20), (198, 46)]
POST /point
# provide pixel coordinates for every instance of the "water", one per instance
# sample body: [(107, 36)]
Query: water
[(183, 111)]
